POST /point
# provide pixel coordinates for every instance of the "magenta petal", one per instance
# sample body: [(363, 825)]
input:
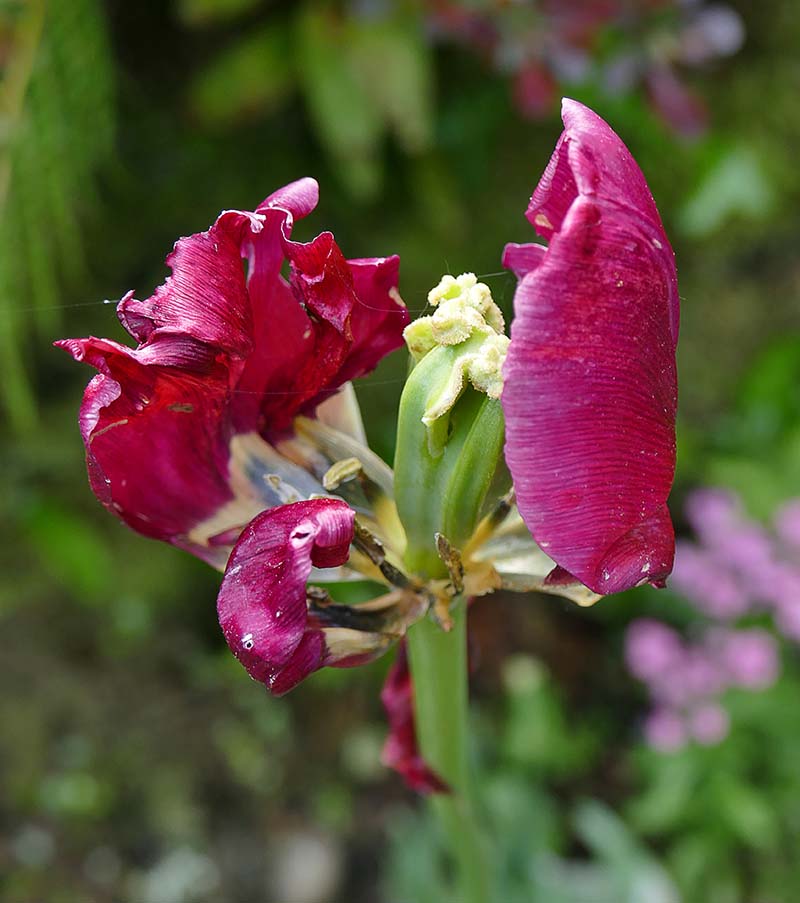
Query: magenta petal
[(521, 259), (400, 751), (321, 279), (262, 603), (154, 452), (205, 297), (590, 382), (297, 198), (378, 318), (590, 160)]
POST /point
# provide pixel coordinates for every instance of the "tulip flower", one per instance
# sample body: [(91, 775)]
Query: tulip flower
[(231, 431)]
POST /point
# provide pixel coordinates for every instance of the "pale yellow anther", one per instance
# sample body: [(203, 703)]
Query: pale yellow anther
[(466, 332)]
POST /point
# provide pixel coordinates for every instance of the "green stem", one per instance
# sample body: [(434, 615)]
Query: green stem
[(438, 663)]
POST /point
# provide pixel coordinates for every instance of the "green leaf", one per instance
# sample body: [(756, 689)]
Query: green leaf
[(56, 100), (346, 121), (746, 812), (664, 804), (394, 63), (736, 186)]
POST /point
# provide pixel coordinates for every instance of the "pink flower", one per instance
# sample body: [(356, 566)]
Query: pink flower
[(750, 657), (665, 731), (652, 650), (709, 724), (590, 382), (179, 430)]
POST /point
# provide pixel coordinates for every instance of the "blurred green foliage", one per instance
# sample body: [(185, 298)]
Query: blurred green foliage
[(56, 99), (135, 753)]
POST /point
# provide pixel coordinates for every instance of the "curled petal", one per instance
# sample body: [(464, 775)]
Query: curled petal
[(521, 259), (591, 161), (262, 603), (280, 629), (154, 451), (205, 297), (180, 431), (400, 751), (590, 382), (297, 198)]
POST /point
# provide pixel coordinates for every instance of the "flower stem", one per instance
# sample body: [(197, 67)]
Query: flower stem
[(438, 662)]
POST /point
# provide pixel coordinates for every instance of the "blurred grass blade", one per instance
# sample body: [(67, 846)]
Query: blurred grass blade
[(57, 114)]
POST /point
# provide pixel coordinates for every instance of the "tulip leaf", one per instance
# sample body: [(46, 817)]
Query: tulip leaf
[(252, 77)]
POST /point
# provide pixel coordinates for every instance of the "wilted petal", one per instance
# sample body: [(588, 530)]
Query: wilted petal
[(400, 751), (333, 321), (590, 382), (521, 566), (205, 297), (222, 356), (262, 603), (155, 455)]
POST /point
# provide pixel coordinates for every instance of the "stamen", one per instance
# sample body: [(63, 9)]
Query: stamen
[(372, 547), (342, 472), (491, 522), (452, 561)]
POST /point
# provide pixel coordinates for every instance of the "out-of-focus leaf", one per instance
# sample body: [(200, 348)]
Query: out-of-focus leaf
[(633, 871), (536, 735), (736, 186), (763, 483), (694, 859), (72, 549), (345, 119), (56, 106), (415, 871), (745, 811), (206, 12), (394, 63), (254, 76), (663, 805), (768, 398)]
